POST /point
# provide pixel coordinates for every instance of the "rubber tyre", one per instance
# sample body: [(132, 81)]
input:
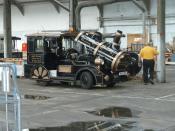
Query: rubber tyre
[(43, 83), (111, 81), (111, 84), (86, 80)]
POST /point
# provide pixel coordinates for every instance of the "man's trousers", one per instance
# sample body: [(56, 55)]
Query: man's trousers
[(148, 70)]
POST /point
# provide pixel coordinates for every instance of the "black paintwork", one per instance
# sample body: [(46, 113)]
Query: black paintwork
[(52, 51)]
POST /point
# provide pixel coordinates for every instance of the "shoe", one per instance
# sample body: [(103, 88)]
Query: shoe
[(151, 81)]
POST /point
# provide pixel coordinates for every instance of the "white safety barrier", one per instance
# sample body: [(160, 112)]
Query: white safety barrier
[(10, 101)]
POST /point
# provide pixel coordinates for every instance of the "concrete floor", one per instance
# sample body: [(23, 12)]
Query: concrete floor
[(152, 106)]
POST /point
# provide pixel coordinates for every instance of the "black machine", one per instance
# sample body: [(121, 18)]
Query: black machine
[(15, 53), (77, 58)]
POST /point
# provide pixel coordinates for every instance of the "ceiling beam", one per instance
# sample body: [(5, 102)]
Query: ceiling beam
[(18, 5), (55, 5), (37, 1), (139, 5), (61, 5), (101, 14), (147, 5)]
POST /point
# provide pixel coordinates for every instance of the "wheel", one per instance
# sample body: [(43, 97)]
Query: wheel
[(111, 84), (86, 80), (41, 75), (135, 65), (43, 83)]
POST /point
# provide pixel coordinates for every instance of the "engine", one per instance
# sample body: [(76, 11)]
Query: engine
[(106, 57)]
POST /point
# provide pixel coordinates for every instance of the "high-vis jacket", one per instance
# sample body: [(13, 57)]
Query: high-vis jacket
[(148, 53)]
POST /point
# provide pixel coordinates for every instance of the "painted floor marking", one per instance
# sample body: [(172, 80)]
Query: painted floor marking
[(118, 96), (165, 96), (170, 69)]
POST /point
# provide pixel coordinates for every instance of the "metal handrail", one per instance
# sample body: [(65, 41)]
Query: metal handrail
[(15, 99)]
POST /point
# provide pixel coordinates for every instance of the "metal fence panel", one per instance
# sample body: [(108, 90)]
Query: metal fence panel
[(10, 101)]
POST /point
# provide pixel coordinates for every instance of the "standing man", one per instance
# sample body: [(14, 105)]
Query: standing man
[(148, 54)]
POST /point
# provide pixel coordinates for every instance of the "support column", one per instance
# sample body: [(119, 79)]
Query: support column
[(149, 29), (144, 12), (7, 29), (72, 20), (144, 28), (101, 21), (161, 40)]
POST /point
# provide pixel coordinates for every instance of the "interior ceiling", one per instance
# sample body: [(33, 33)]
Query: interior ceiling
[(60, 3), (33, 1)]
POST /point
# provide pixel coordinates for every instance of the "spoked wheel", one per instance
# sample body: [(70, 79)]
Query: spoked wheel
[(86, 80), (41, 75)]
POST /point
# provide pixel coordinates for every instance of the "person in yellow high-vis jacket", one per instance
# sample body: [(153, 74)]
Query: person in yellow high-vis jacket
[(147, 55)]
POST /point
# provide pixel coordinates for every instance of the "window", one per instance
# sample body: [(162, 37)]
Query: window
[(35, 44), (69, 43), (39, 45)]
